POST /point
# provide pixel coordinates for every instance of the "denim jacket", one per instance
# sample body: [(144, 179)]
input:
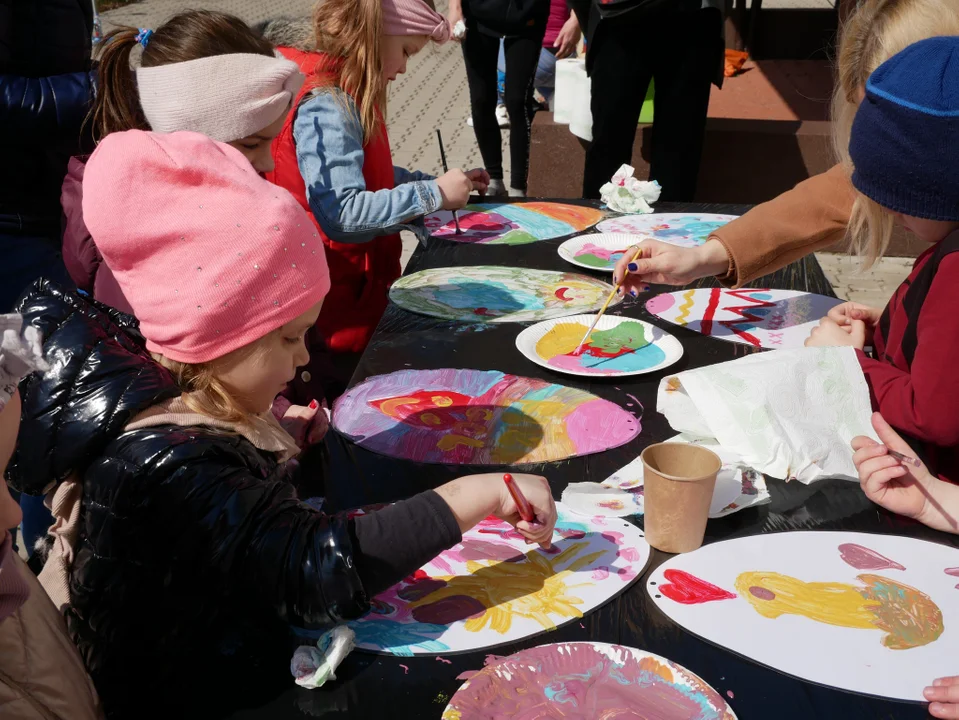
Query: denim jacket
[(328, 135)]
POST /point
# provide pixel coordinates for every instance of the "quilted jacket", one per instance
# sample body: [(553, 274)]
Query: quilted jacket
[(194, 554)]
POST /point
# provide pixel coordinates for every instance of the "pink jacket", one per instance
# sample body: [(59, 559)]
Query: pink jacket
[(80, 253)]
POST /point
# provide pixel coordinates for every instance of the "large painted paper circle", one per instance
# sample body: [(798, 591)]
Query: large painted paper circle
[(874, 614), (493, 588), (600, 251), (586, 680), (618, 346), (512, 223), (478, 417), (777, 319), (683, 229), (489, 293)]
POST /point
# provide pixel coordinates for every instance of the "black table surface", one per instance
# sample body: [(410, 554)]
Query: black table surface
[(375, 686)]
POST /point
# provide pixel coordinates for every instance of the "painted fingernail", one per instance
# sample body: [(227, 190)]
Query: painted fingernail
[(633, 293), (644, 288), (633, 267), (314, 405)]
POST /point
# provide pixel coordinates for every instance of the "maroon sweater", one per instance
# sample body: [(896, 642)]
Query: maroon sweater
[(913, 377)]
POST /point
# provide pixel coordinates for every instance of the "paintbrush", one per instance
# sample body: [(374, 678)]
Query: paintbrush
[(522, 504), (639, 251), (439, 139), (904, 458)]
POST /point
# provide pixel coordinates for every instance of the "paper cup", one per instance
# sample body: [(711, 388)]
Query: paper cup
[(679, 483)]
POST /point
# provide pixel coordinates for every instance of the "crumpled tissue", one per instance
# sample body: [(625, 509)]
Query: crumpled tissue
[(626, 194), (313, 665), (788, 413)]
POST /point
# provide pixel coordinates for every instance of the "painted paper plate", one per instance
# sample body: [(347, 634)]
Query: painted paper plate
[(738, 486), (512, 223), (492, 588), (618, 346), (490, 293), (873, 614), (478, 417), (776, 319), (586, 680), (683, 229), (600, 251), (596, 500)]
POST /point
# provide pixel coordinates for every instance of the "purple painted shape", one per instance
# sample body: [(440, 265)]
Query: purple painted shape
[(762, 593), (952, 571), (862, 558)]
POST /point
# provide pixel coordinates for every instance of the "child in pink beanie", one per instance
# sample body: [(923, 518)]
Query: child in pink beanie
[(181, 554)]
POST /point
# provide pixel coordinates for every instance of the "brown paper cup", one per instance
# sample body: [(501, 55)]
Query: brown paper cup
[(679, 481)]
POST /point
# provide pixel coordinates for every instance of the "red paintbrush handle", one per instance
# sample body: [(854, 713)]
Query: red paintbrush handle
[(525, 509)]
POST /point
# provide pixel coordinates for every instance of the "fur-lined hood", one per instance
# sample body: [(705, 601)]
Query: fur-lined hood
[(296, 33)]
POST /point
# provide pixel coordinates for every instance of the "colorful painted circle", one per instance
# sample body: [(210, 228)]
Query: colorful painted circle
[(684, 229), (478, 417), (512, 223), (490, 293), (586, 680)]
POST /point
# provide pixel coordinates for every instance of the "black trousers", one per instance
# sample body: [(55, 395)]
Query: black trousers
[(682, 52), (481, 53)]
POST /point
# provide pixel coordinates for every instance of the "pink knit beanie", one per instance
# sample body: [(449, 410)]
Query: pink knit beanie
[(210, 255), (414, 17)]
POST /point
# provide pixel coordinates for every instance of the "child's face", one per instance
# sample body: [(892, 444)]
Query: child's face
[(258, 147), (932, 231), (256, 374), (9, 425), (395, 50)]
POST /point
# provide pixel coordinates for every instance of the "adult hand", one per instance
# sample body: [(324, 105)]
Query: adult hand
[(830, 334), (537, 492), (480, 179), (568, 38), (307, 425), (454, 16), (943, 696), (665, 264), (455, 187)]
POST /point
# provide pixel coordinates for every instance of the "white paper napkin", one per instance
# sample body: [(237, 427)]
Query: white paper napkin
[(788, 413)]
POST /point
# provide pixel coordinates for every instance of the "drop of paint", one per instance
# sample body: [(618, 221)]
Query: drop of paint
[(729, 694), (762, 593)]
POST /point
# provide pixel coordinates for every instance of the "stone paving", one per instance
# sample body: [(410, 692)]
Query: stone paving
[(433, 94)]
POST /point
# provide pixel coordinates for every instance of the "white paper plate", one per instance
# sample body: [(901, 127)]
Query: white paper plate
[(595, 500), (662, 351), (577, 250), (683, 229)]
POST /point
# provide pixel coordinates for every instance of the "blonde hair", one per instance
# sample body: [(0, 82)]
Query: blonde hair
[(877, 30), (203, 390), (351, 30)]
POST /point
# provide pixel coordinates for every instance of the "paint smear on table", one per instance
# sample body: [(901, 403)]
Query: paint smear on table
[(623, 348), (492, 588), (512, 223), (586, 680), (599, 257), (489, 293), (478, 418)]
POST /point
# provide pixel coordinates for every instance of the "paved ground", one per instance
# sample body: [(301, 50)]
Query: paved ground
[(433, 94)]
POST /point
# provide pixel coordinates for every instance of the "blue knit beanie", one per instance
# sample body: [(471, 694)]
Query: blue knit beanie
[(905, 139)]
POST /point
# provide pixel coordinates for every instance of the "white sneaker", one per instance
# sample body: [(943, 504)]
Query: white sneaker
[(497, 188), (502, 117), (516, 192), (469, 121)]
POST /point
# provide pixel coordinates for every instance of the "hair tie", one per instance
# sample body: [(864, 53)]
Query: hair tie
[(143, 36)]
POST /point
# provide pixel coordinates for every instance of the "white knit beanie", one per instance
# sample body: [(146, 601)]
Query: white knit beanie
[(225, 97)]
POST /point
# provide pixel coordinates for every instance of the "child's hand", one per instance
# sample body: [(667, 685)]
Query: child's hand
[(536, 489), (455, 187), (844, 314), (479, 178), (830, 334), (943, 696), (308, 425)]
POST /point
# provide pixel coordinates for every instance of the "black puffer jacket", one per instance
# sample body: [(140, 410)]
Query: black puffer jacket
[(194, 553)]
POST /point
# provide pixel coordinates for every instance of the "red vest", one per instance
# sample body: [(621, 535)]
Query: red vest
[(361, 273)]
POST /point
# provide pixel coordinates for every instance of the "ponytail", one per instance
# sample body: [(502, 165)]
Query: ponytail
[(117, 105), (189, 35), (351, 30)]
